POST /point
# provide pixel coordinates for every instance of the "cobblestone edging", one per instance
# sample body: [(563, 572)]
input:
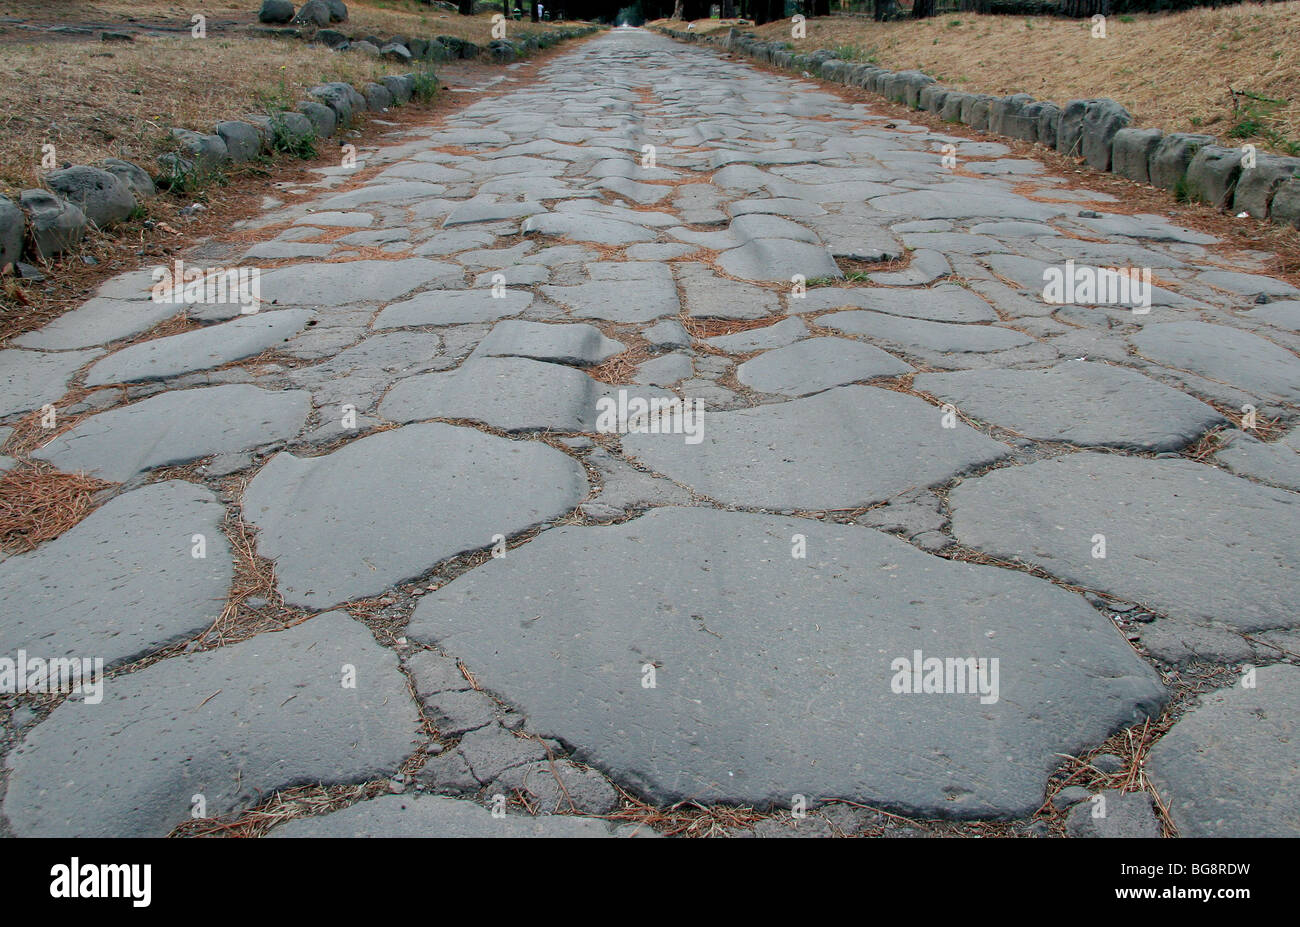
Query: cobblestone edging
[(1098, 131), (47, 222)]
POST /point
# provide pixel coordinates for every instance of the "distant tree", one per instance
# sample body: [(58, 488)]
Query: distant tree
[(465, 7), (923, 9)]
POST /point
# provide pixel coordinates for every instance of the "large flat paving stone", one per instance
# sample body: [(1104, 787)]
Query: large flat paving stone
[(122, 583), (1180, 537), (338, 284), (943, 303), (454, 307), (177, 427), (817, 364), (843, 448), (1079, 402), (433, 816), (510, 393), (630, 292), (34, 378), (1277, 463), (577, 344), (1230, 767), (709, 296), (1234, 357), (944, 337), (99, 321), (388, 507), (762, 689), (779, 260), (201, 349), (232, 725)]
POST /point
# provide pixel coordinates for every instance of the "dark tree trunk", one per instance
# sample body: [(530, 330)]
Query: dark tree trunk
[(465, 7), (532, 11), (823, 7), (922, 9)]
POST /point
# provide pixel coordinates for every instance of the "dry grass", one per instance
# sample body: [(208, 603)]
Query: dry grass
[(1173, 71), (38, 503)]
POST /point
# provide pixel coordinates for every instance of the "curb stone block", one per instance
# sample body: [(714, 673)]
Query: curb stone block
[(1069, 131), (1169, 161), (243, 142), (979, 112), (1257, 185), (1049, 124), (395, 52), (315, 12), (377, 96), (952, 105), (56, 225), (338, 11), (1001, 111), (1101, 120), (399, 87), (204, 151), (275, 11), (1212, 175), (1024, 124), (12, 226), (369, 49), (323, 118), (135, 177), (1131, 150), (100, 195), (331, 38), (1285, 207)]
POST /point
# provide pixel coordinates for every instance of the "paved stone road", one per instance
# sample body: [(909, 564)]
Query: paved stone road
[(747, 608)]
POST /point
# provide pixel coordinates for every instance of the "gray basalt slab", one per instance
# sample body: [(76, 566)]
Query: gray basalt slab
[(1284, 315), (204, 348), (339, 284), (762, 690), (98, 321), (777, 259), (232, 725), (787, 331), (666, 370), (843, 448), (644, 292), (510, 393), (1218, 352), (122, 583), (1230, 767), (1249, 284), (817, 364), (708, 296), (943, 303), (1079, 402), (177, 427), (1277, 462), (433, 816), (573, 343), (579, 227), (454, 307), (388, 507), (34, 378), (1180, 537), (943, 337), (942, 204)]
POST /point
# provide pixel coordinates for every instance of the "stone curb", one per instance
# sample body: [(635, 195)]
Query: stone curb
[(1098, 131)]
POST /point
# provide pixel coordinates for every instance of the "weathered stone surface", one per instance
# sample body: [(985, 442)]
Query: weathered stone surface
[(448, 307), (351, 282), (1238, 358), (1131, 151), (635, 292), (433, 816), (175, 428), (810, 453), (1277, 463), (754, 702), (55, 224), (1257, 185), (233, 725), (943, 303), (1112, 813), (429, 492), (122, 583), (577, 344), (817, 364), (34, 378), (98, 321), (1230, 767), (932, 336), (201, 349), (709, 296), (1168, 164), (1180, 537), (1212, 175), (1078, 402), (787, 331), (102, 196)]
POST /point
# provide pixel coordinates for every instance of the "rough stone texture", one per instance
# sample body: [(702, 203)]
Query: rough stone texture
[(1183, 538), (1223, 353), (353, 282), (1078, 402), (429, 492), (817, 364), (581, 345), (101, 196), (1230, 767), (12, 227), (432, 816), (1277, 463), (761, 691), (123, 582), (55, 224), (1131, 151), (213, 346), (1257, 185), (447, 307), (1113, 813), (232, 725), (175, 428), (933, 336), (1172, 155), (809, 453), (943, 303), (33, 378), (1212, 175)]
